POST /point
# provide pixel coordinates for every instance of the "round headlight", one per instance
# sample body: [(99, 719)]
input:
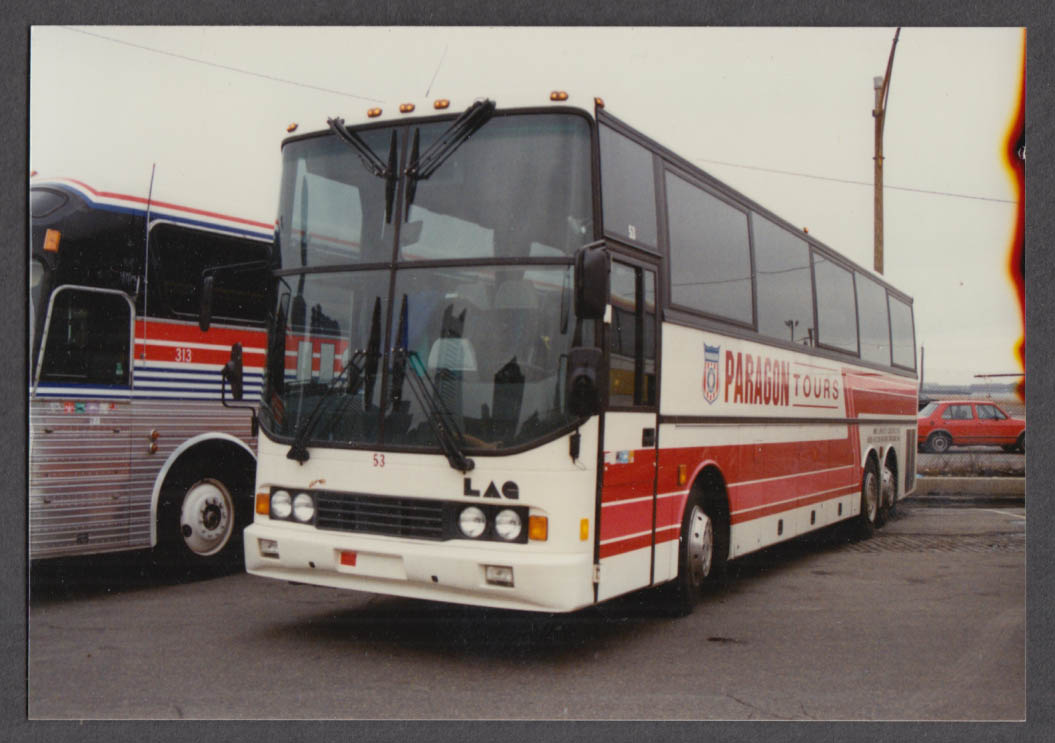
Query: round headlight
[(508, 525), (472, 522), (281, 505), (303, 507)]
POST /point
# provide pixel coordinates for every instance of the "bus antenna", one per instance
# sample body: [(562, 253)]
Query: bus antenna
[(437, 72), (146, 258)]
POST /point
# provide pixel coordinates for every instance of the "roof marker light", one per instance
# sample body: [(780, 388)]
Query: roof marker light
[(558, 95), (441, 103), (373, 113), (599, 102), (406, 108), (292, 127)]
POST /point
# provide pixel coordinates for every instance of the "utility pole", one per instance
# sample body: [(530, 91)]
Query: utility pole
[(882, 90)]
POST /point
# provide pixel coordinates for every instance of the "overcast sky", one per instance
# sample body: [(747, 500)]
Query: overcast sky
[(210, 107)]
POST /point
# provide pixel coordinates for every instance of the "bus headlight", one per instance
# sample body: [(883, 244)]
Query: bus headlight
[(281, 505), (508, 524), (303, 508), (472, 522)]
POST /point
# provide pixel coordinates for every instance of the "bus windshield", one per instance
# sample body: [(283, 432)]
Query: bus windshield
[(480, 344), (518, 188)]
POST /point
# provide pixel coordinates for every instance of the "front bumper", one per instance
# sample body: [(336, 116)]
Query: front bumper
[(450, 571)]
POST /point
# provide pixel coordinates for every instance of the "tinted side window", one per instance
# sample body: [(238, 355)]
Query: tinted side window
[(836, 312), (875, 325), (902, 333), (785, 292), (957, 413), (183, 255), (628, 189), (710, 261), (44, 201)]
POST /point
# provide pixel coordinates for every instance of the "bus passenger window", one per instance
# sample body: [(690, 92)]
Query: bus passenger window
[(88, 339)]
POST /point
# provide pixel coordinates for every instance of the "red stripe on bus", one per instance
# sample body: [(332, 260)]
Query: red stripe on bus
[(626, 545)]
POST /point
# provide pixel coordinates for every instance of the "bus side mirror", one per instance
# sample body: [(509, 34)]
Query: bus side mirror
[(205, 310), (232, 372), (584, 380), (592, 265)]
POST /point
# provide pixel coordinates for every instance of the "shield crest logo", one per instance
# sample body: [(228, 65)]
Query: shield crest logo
[(710, 373)]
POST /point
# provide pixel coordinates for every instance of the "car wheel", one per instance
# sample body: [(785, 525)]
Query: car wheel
[(1020, 445), (939, 443)]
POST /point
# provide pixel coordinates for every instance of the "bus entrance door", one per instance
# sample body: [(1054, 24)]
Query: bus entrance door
[(626, 527), (81, 433)]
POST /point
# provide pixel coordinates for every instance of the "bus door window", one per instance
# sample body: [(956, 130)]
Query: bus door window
[(36, 285), (88, 339), (632, 337)]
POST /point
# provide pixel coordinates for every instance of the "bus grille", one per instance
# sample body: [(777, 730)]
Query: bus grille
[(371, 514)]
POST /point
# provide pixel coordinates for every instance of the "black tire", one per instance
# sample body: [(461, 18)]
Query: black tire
[(865, 522), (939, 443), (1020, 445), (888, 485), (702, 555), (201, 515)]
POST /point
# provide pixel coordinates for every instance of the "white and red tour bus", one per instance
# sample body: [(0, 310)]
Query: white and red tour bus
[(526, 357), (130, 444)]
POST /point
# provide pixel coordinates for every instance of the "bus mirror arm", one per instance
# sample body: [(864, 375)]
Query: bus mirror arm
[(592, 266), (584, 380), (232, 373)]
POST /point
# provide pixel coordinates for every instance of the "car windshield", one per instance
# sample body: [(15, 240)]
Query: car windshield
[(928, 409)]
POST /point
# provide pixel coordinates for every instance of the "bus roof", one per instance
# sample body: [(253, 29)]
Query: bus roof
[(159, 210)]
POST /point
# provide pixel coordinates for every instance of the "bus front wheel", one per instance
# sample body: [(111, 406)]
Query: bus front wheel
[(701, 558), (199, 522)]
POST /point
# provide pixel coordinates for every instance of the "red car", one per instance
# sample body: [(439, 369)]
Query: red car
[(967, 423)]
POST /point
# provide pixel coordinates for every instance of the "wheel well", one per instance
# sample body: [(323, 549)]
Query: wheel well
[(891, 464), (710, 487), (873, 459), (215, 455)]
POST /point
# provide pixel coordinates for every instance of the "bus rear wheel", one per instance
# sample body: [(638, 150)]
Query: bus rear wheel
[(865, 524)]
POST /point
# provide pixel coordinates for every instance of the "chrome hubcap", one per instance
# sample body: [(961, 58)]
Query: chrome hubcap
[(206, 517), (871, 495), (700, 547)]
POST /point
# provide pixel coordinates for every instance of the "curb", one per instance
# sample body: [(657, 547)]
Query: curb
[(969, 491), (990, 486)]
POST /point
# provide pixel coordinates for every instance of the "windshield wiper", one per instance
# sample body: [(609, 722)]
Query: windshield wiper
[(424, 389), (451, 439), (423, 166), (361, 361), (371, 161)]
